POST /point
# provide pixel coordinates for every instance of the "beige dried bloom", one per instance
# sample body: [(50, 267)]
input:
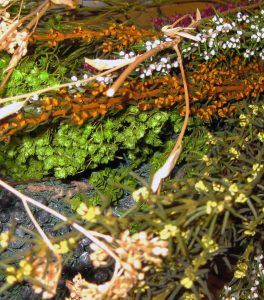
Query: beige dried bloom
[(136, 254), (98, 256), (4, 3), (11, 40)]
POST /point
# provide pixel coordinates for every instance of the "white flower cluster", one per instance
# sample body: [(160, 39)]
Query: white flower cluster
[(153, 44), (107, 80), (12, 38), (222, 35), (215, 38), (164, 66), (124, 55)]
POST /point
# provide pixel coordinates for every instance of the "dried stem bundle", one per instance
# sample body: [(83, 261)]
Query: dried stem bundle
[(15, 42)]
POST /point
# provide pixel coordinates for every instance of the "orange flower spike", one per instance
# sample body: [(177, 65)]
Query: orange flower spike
[(60, 112), (22, 123), (55, 102), (84, 115), (19, 116), (94, 113), (95, 93), (44, 117)]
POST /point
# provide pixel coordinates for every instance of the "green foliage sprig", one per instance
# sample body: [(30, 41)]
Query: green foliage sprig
[(67, 150)]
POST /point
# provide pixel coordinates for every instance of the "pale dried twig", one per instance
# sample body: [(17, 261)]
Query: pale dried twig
[(171, 161), (34, 221)]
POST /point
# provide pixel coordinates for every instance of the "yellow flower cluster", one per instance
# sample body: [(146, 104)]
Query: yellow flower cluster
[(254, 109), (213, 206), (233, 189), (18, 274), (4, 239), (251, 228), (199, 260), (261, 136), (187, 282), (209, 244), (169, 230), (190, 272), (64, 246), (243, 120), (234, 153), (189, 277), (218, 187), (200, 186), (241, 270), (211, 140), (188, 296), (141, 194), (88, 213), (256, 169), (241, 198)]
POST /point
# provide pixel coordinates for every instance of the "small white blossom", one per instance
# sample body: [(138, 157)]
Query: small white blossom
[(176, 64), (148, 73), (212, 52), (74, 78), (35, 97)]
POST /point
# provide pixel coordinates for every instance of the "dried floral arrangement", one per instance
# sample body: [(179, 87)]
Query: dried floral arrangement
[(183, 238)]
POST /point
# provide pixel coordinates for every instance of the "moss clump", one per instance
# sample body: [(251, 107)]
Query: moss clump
[(67, 149)]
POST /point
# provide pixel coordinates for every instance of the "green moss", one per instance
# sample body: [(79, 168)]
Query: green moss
[(66, 150)]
